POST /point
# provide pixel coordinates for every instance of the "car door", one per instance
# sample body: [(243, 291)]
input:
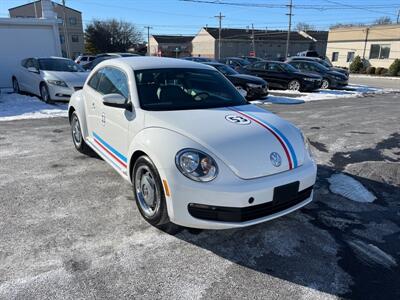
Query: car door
[(115, 121), (21, 75), (27, 77), (257, 69), (275, 75), (36, 77)]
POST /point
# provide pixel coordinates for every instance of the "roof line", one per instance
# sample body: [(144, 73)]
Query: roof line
[(33, 2)]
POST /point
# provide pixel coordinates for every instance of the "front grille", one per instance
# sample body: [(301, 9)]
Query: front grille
[(237, 214)]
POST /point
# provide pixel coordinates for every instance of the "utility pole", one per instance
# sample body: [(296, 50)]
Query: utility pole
[(66, 38), (365, 41), (290, 6), (398, 16), (220, 17), (252, 39), (148, 39)]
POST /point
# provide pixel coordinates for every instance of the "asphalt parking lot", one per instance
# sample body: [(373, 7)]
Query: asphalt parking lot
[(70, 228)]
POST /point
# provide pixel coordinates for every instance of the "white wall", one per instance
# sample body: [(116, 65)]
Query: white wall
[(22, 38)]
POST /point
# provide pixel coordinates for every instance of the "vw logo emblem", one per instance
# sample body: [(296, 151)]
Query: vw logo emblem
[(276, 159), (237, 119)]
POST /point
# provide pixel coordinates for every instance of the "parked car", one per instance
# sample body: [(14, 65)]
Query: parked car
[(254, 87), (84, 59), (196, 153), (197, 58), (251, 59), (235, 63), (104, 56), (330, 79), (281, 75), (308, 53), (325, 62), (51, 78)]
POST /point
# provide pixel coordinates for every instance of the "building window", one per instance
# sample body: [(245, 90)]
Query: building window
[(335, 56), (75, 38), (350, 56), (72, 21), (62, 39), (379, 51)]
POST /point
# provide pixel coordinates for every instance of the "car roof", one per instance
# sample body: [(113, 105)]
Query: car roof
[(304, 58), (213, 63), (153, 62)]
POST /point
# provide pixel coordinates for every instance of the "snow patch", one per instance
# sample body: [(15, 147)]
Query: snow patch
[(349, 188), (19, 107)]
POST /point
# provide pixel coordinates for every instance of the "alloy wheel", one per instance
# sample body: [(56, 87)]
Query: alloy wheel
[(294, 85), (147, 192), (76, 131)]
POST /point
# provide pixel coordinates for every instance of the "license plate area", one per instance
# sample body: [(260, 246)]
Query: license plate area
[(286, 193)]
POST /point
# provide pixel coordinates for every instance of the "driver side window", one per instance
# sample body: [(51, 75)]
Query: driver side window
[(113, 81), (258, 66)]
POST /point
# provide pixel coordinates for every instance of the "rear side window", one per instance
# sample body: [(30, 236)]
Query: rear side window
[(113, 81), (258, 65)]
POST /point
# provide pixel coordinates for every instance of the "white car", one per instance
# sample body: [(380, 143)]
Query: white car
[(51, 78), (84, 59), (196, 153)]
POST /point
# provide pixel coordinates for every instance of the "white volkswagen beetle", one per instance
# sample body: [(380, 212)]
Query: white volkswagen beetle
[(196, 153)]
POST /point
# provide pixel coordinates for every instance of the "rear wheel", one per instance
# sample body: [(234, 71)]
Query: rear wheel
[(294, 85), (16, 85), (325, 84), (149, 192), (44, 93), (77, 136)]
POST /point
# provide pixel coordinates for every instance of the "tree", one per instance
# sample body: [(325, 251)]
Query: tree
[(394, 69), (356, 65), (111, 36), (301, 26), (383, 21)]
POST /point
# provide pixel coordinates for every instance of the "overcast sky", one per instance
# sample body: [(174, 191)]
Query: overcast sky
[(177, 17)]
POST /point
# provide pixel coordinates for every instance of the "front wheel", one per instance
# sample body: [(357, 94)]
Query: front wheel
[(16, 86), (149, 192), (44, 93), (77, 136), (294, 85), (325, 84)]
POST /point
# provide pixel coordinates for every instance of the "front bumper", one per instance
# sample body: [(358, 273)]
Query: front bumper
[(311, 85), (60, 93), (257, 93), (339, 83), (235, 196)]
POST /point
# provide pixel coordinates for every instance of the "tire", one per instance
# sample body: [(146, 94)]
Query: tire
[(294, 85), (325, 84), (44, 93), (16, 86), (77, 137), (149, 193)]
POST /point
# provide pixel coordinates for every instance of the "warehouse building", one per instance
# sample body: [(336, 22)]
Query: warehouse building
[(171, 45), (378, 44), (268, 44)]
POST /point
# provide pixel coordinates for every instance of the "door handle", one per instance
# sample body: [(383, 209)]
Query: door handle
[(103, 119), (93, 105)]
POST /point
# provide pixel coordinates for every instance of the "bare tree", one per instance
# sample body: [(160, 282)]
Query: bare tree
[(111, 36), (302, 26), (383, 21)]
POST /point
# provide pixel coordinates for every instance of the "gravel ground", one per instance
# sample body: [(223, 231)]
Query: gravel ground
[(70, 228)]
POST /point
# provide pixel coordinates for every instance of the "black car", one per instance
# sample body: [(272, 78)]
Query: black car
[(104, 56), (324, 62), (236, 63), (255, 87), (197, 58), (251, 59), (330, 79), (281, 75)]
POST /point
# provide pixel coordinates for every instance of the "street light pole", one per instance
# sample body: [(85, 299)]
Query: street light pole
[(220, 16), (148, 39), (290, 6)]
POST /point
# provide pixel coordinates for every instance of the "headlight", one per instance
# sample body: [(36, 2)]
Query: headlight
[(196, 165), (254, 85), (57, 82), (308, 79)]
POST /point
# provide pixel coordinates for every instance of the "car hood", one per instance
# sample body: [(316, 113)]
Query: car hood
[(340, 70), (246, 148), (248, 78), (70, 78)]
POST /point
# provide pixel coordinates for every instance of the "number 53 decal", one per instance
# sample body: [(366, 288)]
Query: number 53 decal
[(237, 119)]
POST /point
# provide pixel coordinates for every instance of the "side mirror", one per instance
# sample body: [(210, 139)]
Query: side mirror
[(33, 70), (116, 100)]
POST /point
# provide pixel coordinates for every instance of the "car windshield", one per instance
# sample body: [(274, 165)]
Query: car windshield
[(325, 63), (59, 64), (320, 67), (288, 68), (224, 69), (184, 88)]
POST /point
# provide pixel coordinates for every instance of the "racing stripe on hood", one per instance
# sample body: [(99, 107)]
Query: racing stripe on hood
[(286, 145)]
